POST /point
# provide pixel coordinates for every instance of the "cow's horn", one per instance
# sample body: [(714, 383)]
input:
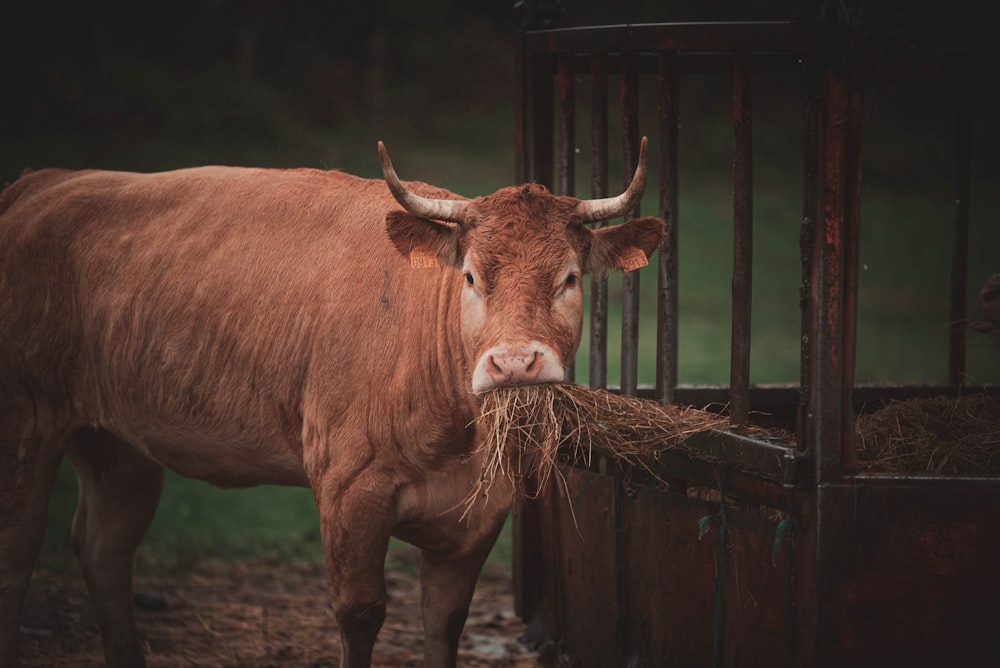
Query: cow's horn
[(451, 210), (612, 207)]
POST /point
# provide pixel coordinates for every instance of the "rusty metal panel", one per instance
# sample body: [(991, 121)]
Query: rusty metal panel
[(672, 577), (533, 553), (584, 587), (718, 600), (911, 577), (671, 607)]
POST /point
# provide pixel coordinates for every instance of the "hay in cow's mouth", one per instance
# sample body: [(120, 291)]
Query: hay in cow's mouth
[(526, 428)]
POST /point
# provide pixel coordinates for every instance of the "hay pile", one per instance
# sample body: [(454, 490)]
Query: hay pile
[(957, 436), (526, 427)]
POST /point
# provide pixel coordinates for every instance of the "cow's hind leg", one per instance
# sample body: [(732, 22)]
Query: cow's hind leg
[(29, 461), (119, 492)]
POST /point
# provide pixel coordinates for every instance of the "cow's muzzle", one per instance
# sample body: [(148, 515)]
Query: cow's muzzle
[(525, 364)]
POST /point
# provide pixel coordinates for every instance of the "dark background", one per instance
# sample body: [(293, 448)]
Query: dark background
[(147, 86)]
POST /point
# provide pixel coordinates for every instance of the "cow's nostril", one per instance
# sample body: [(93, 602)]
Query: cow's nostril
[(494, 368), (533, 363)]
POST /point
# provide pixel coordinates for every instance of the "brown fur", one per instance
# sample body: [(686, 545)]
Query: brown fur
[(249, 326)]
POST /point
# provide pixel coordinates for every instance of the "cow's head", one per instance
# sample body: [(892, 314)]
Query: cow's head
[(519, 255)]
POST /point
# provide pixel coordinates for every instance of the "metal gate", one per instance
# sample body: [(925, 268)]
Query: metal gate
[(758, 551)]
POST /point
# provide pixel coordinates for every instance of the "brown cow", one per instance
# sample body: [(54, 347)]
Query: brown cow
[(251, 326)]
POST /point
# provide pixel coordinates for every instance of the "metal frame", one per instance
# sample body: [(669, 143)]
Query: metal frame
[(813, 482)]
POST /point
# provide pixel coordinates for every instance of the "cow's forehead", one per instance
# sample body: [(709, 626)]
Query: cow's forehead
[(525, 230), (528, 207), (523, 223)]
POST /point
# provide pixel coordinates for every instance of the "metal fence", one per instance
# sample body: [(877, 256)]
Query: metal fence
[(812, 482)]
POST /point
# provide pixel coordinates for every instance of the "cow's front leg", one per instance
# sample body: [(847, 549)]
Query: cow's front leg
[(355, 523), (447, 583)]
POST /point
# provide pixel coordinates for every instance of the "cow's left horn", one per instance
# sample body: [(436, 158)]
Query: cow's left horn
[(451, 210), (612, 207)]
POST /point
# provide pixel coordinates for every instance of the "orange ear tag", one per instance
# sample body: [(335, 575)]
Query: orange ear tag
[(422, 257), (633, 258)]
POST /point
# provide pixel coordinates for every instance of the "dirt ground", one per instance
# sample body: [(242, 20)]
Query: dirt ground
[(256, 615)]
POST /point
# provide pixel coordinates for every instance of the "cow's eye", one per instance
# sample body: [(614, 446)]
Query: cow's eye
[(571, 280), (469, 280)]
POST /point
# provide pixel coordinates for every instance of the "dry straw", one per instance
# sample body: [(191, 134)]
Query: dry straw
[(525, 427), (957, 436)]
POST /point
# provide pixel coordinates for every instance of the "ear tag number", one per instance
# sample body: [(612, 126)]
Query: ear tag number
[(633, 258), (422, 257)]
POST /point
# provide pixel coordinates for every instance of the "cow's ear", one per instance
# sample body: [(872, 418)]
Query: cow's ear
[(421, 239), (625, 247)]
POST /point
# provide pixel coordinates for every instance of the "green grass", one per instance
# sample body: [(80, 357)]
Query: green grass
[(195, 520)]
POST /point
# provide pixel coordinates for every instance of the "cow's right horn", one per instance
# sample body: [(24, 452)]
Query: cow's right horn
[(451, 210), (602, 209)]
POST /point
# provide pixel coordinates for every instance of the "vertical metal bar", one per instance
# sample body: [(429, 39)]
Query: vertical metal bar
[(825, 406), (852, 225), (827, 288), (599, 189), (960, 246), (541, 71), (807, 238), (630, 282), (667, 290), (567, 127), (565, 167), (739, 384), (521, 139)]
